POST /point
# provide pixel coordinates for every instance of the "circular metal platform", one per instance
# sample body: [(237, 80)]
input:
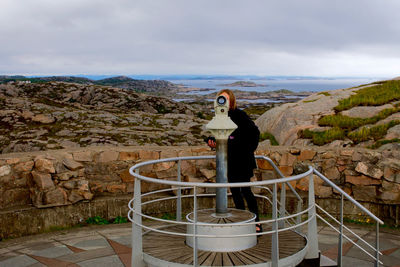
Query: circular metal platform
[(171, 250)]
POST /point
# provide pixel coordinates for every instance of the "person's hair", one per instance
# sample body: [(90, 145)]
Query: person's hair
[(232, 98)]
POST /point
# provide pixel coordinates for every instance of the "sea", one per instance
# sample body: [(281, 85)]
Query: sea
[(272, 84)]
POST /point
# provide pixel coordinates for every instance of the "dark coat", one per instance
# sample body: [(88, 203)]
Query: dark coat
[(241, 146)]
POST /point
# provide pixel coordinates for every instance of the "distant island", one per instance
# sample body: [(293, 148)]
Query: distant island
[(243, 84)]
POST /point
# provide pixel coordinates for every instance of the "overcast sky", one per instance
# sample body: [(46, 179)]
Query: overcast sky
[(261, 37)]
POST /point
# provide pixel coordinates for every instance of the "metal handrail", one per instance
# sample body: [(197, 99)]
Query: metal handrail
[(352, 200), (279, 217), (341, 225), (345, 227), (211, 185)]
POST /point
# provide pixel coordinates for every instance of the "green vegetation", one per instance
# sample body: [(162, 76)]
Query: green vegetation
[(372, 96), (375, 94), (162, 109), (271, 137), (324, 93), (376, 132), (350, 123), (380, 143), (97, 220), (323, 137), (309, 101), (257, 110)]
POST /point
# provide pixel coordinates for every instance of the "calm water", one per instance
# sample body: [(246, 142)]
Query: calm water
[(295, 85)]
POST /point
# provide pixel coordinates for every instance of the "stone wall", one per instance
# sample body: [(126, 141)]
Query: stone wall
[(65, 178)]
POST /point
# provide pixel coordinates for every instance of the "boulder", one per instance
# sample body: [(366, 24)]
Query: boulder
[(306, 155), (362, 180), (57, 196), (72, 164), (26, 166), (393, 132), (43, 180), (43, 118), (208, 173), (44, 165), (369, 170)]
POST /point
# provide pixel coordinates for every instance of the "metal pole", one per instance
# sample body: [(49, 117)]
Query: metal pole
[(137, 247), (275, 238), (195, 259), (340, 245), (282, 208), (312, 233), (377, 245), (179, 194), (222, 176)]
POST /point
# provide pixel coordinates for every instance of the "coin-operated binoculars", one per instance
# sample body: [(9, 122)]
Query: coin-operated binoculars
[(221, 126)]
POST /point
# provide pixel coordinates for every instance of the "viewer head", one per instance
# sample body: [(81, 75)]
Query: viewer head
[(230, 96)]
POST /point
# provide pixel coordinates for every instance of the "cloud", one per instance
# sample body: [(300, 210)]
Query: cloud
[(310, 37)]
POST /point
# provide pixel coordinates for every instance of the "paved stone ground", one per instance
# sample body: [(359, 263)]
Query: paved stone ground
[(109, 245)]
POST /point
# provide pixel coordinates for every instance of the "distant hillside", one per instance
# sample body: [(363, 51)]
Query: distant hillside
[(367, 116), (52, 115), (145, 86), (159, 87)]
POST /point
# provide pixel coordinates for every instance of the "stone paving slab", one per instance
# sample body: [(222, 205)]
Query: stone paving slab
[(110, 246)]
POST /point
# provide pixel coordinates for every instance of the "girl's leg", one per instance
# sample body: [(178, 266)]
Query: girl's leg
[(237, 198), (251, 200)]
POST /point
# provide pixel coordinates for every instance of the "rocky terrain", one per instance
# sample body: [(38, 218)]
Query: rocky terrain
[(365, 116), (156, 87), (52, 115)]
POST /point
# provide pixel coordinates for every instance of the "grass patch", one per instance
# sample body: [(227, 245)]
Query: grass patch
[(324, 137), (380, 143), (97, 220), (309, 101), (376, 132), (270, 137), (346, 122), (324, 93), (372, 96)]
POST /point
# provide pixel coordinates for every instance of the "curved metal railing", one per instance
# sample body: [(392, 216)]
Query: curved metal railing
[(281, 219)]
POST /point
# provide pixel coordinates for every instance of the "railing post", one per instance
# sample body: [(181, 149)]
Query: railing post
[(137, 247), (298, 218), (340, 243), (275, 238), (195, 259), (377, 245), (312, 233), (179, 195), (282, 208)]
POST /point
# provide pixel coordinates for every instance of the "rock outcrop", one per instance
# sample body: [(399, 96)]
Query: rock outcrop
[(286, 122), (51, 115)]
